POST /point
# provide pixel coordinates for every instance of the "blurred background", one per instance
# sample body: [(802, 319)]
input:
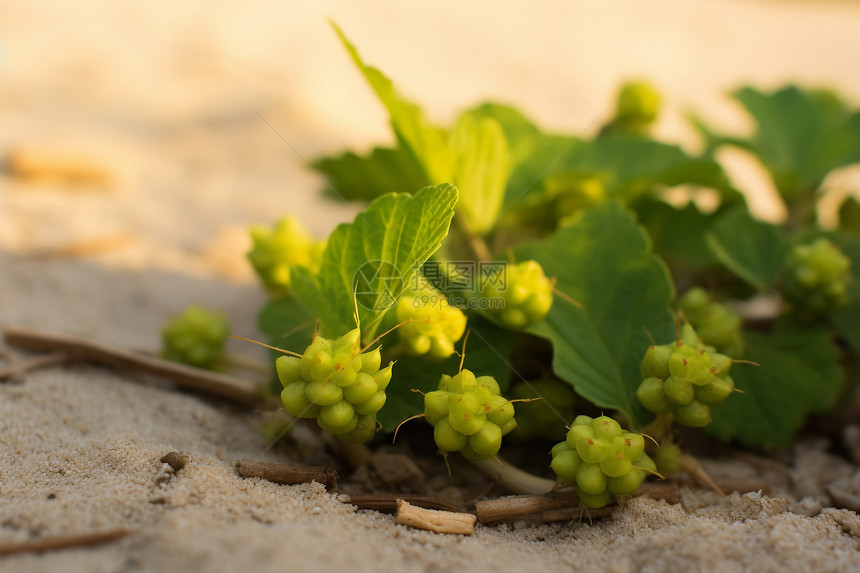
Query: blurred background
[(187, 122)]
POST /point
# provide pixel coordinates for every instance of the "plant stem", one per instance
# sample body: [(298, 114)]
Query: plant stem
[(514, 479)]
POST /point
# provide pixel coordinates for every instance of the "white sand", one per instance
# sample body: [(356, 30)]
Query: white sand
[(167, 97)]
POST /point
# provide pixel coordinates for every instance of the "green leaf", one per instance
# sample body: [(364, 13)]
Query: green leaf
[(287, 323), (798, 374), (488, 353), (754, 250), (632, 166), (384, 171), (800, 136), (678, 234), (481, 170), (428, 143), (376, 256), (605, 262)]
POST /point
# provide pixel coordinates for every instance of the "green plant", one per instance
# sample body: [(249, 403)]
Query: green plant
[(196, 337), (602, 251)]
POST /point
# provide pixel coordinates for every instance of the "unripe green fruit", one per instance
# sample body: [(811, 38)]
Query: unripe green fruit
[(561, 447), (691, 364), (606, 428), (349, 342), (695, 414), (372, 405), (351, 425), (324, 392), (565, 463), (668, 459), (656, 362), (638, 104), (363, 432), (436, 406), (679, 390), (447, 438), (720, 365), (489, 383), (583, 420), (383, 377), (630, 444), (486, 441), (337, 415), (275, 250), (594, 501), (431, 325), (362, 390), (196, 337), (501, 411), (465, 381), (527, 295), (817, 277), (289, 369), (508, 426), (577, 433), (296, 402), (322, 366), (615, 464), (590, 479), (715, 392), (626, 484), (652, 395), (643, 461), (344, 378), (592, 450), (466, 414)]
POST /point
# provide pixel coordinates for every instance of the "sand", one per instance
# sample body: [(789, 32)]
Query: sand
[(184, 109)]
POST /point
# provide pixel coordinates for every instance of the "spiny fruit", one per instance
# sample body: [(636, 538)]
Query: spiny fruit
[(685, 378), (817, 278), (196, 337), (469, 415), (538, 419), (601, 460), (275, 250), (715, 324), (336, 383), (432, 325), (525, 295)]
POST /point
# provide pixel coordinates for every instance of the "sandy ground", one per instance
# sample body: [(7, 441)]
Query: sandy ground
[(186, 106)]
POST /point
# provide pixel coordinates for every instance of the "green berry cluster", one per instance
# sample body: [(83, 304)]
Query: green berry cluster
[(535, 419), (275, 250), (196, 337), (526, 295), (337, 384), (469, 415), (637, 106), (817, 278), (432, 324), (715, 324), (685, 378), (601, 460)]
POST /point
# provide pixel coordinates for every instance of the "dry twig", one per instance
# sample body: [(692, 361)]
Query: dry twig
[(387, 502), (434, 520), (51, 543), (288, 474), (79, 349)]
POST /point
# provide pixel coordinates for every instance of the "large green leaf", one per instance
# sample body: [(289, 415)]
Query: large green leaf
[(356, 178), (376, 256), (428, 143), (798, 374), (605, 262), (800, 135), (481, 170), (487, 354), (287, 323), (632, 166), (754, 250), (678, 233)]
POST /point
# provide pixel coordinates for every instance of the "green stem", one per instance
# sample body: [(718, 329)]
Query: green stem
[(514, 479)]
